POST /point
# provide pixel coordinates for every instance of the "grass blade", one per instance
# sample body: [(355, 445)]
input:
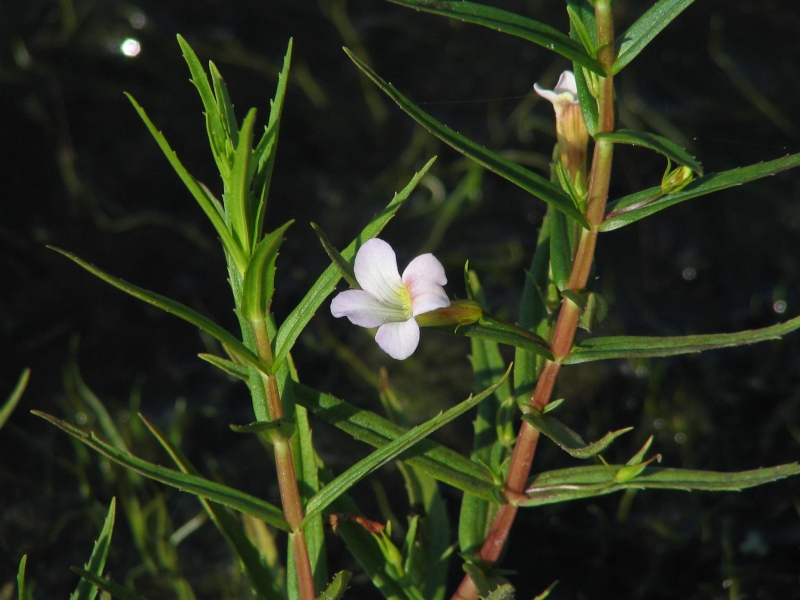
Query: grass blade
[(97, 561), (115, 589), (14, 397)]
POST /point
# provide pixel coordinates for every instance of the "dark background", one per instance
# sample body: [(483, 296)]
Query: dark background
[(81, 172)]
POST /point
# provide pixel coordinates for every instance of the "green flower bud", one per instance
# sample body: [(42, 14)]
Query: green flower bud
[(460, 312)]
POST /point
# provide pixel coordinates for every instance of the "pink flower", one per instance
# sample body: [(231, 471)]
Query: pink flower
[(391, 302)]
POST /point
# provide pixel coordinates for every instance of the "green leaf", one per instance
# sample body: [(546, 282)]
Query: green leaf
[(494, 330), (265, 151), (259, 278), (22, 591), (13, 399), (97, 562), (261, 577), (202, 195), (642, 204), (294, 324), (337, 587), (175, 308), (516, 174), (642, 347), (115, 589), (189, 483), (648, 26), (587, 482), (560, 250), (655, 142), (219, 139), (230, 367), (435, 460), (510, 23), (237, 185), (345, 268), (583, 25), (391, 451), (570, 441)]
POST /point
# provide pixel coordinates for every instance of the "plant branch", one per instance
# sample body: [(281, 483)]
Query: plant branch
[(569, 314)]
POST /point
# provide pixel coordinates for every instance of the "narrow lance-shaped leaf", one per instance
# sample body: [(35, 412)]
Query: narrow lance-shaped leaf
[(266, 149), (262, 580), (14, 397), (587, 482), (220, 142), (189, 483), (516, 174), (642, 32), (642, 347), (294, 324), (237, 193), (175, 308), (432, 458), (97, 562), (392, 450), (225, 107), (642, 204), (259, 278), (511, 23), (345, 268), (203, 197), (654, 142), (337, 587), (567, 439)]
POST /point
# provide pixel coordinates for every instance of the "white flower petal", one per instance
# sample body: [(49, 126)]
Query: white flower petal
[(566, 84), (376, 271), (398, 340), (424, 278), (363, 309), (565, 92)]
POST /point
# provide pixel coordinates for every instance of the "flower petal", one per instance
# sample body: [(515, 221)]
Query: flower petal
[(363, 309), (398, 340), (376, 271), (424, 278), (567, 85)]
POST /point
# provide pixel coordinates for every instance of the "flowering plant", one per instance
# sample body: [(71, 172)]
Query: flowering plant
[(514, 400)]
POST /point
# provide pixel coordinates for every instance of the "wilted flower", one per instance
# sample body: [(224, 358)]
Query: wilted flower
[(389, 301), (570, 127)]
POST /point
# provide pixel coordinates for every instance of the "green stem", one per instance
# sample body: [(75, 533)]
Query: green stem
[(567, 322)]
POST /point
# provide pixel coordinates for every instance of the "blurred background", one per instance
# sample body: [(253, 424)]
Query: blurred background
[(81, 172)]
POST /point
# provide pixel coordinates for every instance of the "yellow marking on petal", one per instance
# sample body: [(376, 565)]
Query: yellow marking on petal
[(405, 298)]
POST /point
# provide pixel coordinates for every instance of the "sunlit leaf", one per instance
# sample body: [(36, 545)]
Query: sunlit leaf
[(654, 142), (173, 307), (97, 562), (494, 330), (642, 32), (207, 202), (641, 346), (337, 587), (391, 451), (22, 592), (198, 486), (642, 204), (516, 174), (259, 278), (507, 22), (436, 460), (237, 188), (587, 482)]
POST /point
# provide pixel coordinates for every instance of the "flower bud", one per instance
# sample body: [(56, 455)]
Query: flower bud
[(675, 180), (571, 131), (460, 312)]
